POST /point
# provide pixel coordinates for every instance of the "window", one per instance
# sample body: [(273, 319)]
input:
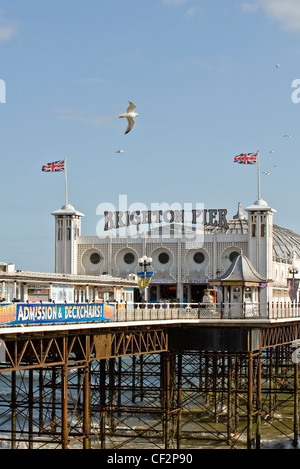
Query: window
[(163, 258), (198, 257), (69, 224), (233, 255), (59, 230), (95, 258), (129, 258)]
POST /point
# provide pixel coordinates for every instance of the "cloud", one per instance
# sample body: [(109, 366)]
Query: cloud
[(83, 117), (286, 12), (8, 28), (192, 8)]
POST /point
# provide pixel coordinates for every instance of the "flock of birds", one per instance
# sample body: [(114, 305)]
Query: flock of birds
[(272, 151), (286, 136)]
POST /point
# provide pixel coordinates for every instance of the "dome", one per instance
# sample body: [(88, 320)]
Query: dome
[(285, 242), (67, 209)]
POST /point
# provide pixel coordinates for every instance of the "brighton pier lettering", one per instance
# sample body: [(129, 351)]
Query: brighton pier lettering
[(121, 219)]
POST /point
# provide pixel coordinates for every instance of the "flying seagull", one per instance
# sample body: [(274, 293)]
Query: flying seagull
[(266, 172), (288, 135), (271, 151), (120, 151), (277, 65), (130, 115)]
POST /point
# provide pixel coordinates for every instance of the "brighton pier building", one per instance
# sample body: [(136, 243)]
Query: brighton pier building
[(245, 258)]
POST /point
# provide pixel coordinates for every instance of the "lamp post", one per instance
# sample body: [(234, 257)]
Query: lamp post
[(293, 271), (145, 262)]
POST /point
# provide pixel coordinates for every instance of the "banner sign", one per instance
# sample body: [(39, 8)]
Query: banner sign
[(143, 279), (49, 313)]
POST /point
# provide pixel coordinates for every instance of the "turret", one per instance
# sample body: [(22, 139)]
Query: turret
[(67, 230)]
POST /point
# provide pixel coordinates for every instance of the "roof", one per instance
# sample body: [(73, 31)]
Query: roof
[(285, 242), (67, 209), (241, 270), (70, 279)]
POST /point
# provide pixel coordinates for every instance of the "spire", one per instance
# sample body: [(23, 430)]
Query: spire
[(239, 215)]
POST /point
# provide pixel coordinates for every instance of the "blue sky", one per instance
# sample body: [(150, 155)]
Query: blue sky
[(204, 80)]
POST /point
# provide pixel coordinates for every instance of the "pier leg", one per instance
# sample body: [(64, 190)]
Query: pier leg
[(229, 401), (86, 409), (250, 403), (64, 410), (30, 410), (102, 403), (296, 404), (259, 403), (112, 394), (179, 400), (166, 398), (13, 410)]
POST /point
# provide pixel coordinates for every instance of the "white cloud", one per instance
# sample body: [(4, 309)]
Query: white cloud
[(286, 12), (8, 28), (192, 8)]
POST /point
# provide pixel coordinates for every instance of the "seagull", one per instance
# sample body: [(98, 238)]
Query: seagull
[(120, 151), (277, 65), (271, 151), (266, 172), (288, 135), (129, 114)]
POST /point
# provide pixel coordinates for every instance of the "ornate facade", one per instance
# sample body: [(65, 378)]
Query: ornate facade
[(182, 267)]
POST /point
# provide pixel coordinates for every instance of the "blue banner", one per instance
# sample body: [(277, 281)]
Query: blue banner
[(49, 313)]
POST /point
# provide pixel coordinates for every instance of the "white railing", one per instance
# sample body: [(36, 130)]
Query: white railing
[(165, 311)]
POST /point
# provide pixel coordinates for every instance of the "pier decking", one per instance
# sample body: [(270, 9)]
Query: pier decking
[(157, 376)]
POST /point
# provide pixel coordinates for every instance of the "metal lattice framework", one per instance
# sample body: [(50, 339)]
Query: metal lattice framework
[(125, 389)]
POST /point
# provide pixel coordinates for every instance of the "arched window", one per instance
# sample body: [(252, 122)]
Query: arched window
[(59, 230)]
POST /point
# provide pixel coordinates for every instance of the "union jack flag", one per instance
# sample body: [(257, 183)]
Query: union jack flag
[(54, 167), (246, 158)]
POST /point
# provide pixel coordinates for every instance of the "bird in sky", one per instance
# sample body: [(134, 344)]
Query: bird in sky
[(277, 65), (266, 172), (271, 151), (120, 151), (129, 115), (288, 135)]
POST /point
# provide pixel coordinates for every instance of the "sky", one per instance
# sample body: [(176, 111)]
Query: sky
[(204, 79)]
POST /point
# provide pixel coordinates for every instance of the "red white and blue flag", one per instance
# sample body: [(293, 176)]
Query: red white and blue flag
[(56, 166), (246, 158)]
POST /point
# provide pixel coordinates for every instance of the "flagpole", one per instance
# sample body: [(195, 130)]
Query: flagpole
[(66, 186), (258, 176)]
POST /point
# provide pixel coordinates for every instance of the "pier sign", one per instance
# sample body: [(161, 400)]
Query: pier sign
[(159, 220), (48, 313)]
